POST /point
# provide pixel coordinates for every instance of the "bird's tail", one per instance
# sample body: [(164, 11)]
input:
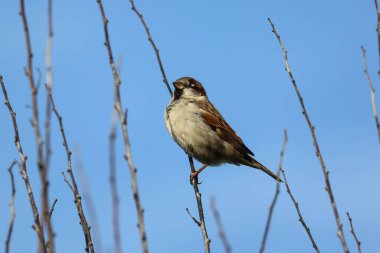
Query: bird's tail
[(255, 164)]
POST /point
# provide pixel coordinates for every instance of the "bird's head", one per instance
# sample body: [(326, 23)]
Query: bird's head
[(187, 87)]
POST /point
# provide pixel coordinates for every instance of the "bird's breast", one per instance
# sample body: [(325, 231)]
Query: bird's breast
[(188, 129)]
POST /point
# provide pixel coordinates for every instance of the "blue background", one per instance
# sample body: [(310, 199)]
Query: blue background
[(230, 48)]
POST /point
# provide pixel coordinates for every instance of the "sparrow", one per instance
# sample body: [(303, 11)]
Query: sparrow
[(201, 131)]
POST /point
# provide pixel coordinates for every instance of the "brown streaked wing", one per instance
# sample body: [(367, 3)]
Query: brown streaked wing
[(217, 123)]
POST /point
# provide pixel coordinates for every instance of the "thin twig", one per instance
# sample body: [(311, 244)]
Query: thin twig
[(372, 90), (73, 186), (358, 243), (37, 132), (307, 229), (378, 31), (11, 208), (219, 224), (48, 73), (88, 201), (46, 213), (123, 121), (52, 208), (113, 184), (315, 142), (201, 223), (277, 192), (192, 217), (37, 224), (156, 51)]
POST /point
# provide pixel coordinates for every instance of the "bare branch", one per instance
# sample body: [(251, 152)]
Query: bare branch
[(47, 214), (378, 31), (113, 184), (49, 81), (219, 224), (37, 224), (315, 142), (73, 186), (277, 192), (358, 243), (11, 208), (123, 121), (52, 208), (201, 223), (37, 132), (156, 51), (307, 229), (88, 201), (192, 217), (372, 90)]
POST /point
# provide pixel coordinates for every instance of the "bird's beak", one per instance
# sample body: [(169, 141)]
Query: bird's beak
[(178, 85)]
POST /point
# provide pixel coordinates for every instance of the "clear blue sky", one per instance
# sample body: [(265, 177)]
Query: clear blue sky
[(230, 48)]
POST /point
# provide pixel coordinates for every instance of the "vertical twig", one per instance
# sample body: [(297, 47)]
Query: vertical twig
[(277, 192), (37, 224), (315, 142), (219, 224), (52, 208), (372, 90), (45, 190), (123, 121), (201, 223), (37, 132), (49, 81), (307, 229), (358, 243), (11, 208), (378, 31), (156, 51), (113, 184), (88, 201), (73, 186)]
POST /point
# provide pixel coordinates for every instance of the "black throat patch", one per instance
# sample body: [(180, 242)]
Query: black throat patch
[(178, 93)]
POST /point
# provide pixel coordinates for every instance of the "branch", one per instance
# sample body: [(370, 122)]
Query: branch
[(307, 229), (45, 191), (372, 90), (49, 81), (192, 217), (358, 243), (113, 184), (378, 31), (37, 224), (36, 126), (52, 208), (123, 121), (201, 223), (88, 201), (219, 224), (73, 186), (315, 142), (277, 192), (11, 208), (156, 51)]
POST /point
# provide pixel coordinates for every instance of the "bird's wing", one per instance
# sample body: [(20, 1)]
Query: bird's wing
[(217, 123)]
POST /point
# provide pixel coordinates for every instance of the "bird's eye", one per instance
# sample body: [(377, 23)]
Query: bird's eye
[(192, 85)]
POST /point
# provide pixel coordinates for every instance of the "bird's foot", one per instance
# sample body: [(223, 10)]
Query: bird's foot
[(193, 178)]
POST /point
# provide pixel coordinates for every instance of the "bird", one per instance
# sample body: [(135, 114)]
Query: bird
[(201, 131)]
